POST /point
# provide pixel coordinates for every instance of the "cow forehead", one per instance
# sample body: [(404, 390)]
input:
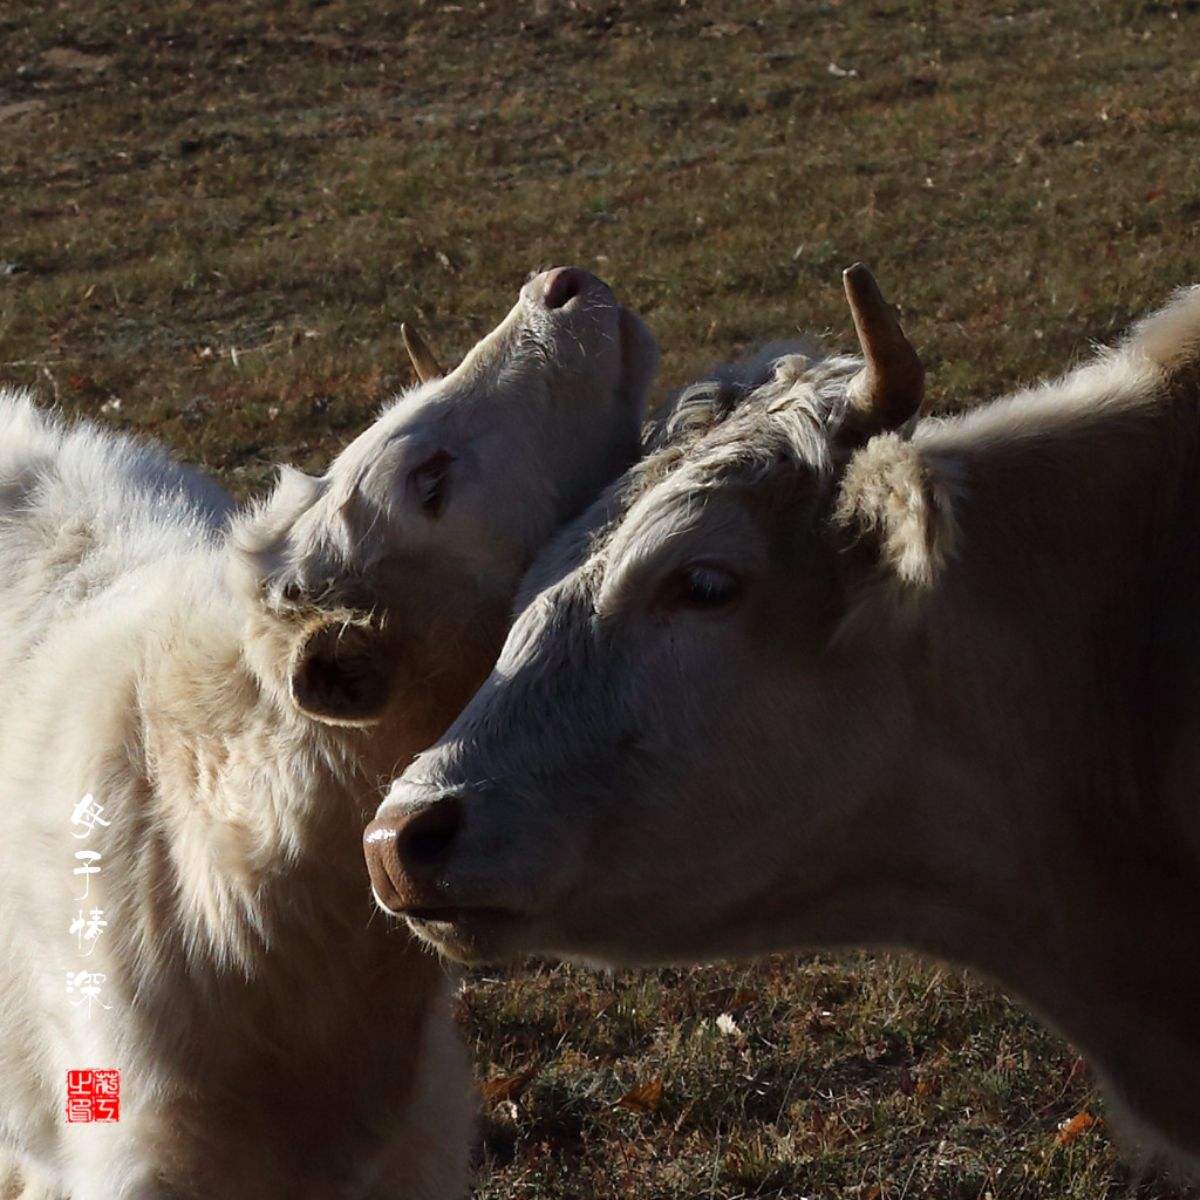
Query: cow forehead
[(448, 411), (732, 430), (785, 419), (748, 453)]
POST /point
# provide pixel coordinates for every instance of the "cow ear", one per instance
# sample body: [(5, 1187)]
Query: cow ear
[(903, 502), (341, 674), (888, 390)]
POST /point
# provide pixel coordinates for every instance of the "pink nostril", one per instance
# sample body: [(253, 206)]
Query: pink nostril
[(562, 285)]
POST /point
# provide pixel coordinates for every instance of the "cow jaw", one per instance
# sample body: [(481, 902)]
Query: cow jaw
[(471, 936)]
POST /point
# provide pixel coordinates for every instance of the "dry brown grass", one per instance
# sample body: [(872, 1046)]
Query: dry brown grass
[(223, 211)]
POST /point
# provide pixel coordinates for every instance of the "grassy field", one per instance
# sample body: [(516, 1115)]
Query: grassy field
[(213, 218)]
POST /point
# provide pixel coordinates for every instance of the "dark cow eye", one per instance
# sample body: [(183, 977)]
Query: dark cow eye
[(430, 483), (704, 585)]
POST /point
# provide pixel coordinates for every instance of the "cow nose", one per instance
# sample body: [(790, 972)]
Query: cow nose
[(405, 849), (561, 285)]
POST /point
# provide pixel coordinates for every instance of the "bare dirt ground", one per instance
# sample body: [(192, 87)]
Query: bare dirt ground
[(213, 218)]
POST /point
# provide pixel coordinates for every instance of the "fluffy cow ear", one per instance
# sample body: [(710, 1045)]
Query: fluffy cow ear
[(888, 390), (340, 673), (905, 504)]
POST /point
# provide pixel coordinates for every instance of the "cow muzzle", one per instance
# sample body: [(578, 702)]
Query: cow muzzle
[(407, 849), (414, 850), (558, 287)]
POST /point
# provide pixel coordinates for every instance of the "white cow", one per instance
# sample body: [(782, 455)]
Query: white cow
[(822, 672), (197, 711)]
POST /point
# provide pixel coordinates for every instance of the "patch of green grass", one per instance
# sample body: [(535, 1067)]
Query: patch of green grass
[(225, 210)]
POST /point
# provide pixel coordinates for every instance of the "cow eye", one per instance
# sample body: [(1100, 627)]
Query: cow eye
[(706, 586), (430, 483)]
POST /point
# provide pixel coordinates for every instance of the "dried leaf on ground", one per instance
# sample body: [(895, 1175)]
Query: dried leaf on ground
[(507, 1087), (728, 1026), (643, 1097), (1074, 1128)]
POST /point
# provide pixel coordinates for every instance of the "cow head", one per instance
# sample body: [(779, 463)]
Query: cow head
[(384, 587), (621, 787)]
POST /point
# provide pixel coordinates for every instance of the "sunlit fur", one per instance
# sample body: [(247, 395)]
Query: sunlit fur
[(277, 1037)]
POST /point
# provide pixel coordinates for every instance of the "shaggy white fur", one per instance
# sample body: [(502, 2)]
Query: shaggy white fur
[(234, 690), (244, 993)]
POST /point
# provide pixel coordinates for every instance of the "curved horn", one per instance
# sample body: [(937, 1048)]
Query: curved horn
[(423, 361), (889, 388)]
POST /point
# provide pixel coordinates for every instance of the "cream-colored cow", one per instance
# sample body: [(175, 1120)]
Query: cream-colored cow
[(230, 691), (818, 672)]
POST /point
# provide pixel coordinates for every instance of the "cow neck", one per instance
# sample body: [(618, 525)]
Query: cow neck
[(1078, 562)]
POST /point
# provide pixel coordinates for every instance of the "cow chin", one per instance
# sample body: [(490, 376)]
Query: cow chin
[(470, 936)]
